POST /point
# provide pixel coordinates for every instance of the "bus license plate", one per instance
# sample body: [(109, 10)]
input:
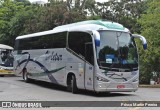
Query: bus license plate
[(120, 86)]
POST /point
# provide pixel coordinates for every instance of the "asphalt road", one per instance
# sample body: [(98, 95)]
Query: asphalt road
[(15, 89)]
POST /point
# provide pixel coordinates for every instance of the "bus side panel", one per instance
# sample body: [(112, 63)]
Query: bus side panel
[(19, 62), (51, 64), (37, 64), (75, 65), (42, 64), (57, 67)]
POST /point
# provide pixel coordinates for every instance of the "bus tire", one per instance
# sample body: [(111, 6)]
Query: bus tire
[(25, 76), (72, 86)]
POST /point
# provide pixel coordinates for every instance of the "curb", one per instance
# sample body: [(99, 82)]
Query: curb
[(150, 86)]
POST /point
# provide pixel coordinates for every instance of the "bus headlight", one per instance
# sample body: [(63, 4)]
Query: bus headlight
[(99, 78)]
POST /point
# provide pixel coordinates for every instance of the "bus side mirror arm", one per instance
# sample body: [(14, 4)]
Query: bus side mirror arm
[(144, 42)]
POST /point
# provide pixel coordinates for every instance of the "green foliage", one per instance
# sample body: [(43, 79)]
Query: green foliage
[(19, 17), (150, 23), (9, 11), (125, 12)]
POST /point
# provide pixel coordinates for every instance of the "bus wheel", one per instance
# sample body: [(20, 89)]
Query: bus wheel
[(72, 86), (25, 76)]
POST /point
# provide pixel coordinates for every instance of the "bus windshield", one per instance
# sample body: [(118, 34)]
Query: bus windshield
[(6, 58), (117, 51)]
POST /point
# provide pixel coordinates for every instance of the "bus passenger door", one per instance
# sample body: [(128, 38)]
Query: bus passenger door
[(89, 57)]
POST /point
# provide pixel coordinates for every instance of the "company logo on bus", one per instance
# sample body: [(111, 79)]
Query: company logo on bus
[(53, 56)]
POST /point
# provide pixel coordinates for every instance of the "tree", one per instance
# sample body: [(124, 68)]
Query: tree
[(54, 14), (19, 17), (125, 12), (150, 23), (13, 16), (7, 11)]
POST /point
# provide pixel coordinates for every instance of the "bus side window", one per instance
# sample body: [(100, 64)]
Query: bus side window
[(77, 41)]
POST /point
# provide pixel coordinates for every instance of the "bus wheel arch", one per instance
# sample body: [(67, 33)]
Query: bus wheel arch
[(71, 83), (25, 75)]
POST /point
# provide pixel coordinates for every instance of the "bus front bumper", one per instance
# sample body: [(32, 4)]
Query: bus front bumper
[(116, 87)]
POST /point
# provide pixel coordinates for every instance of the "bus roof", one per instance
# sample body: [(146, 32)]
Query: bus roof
[(2, 46), (93, 25), (81, 26)]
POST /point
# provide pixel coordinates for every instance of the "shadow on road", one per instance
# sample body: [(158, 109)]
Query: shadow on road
[(7, 75), (82, 92)]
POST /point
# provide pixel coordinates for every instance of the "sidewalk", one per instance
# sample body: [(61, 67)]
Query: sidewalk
[(149, 86)]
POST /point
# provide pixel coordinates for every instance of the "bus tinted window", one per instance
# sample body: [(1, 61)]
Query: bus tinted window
[(77, 40), (57, 40), (28, 43), (16, 45)]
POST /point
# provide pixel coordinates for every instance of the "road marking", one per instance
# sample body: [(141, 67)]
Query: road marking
[(134, 108)]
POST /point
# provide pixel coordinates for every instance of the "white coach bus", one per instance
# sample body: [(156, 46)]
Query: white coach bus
[(94, 55)]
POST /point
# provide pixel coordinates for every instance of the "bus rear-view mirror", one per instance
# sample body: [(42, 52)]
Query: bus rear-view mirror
[(143, 40)]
